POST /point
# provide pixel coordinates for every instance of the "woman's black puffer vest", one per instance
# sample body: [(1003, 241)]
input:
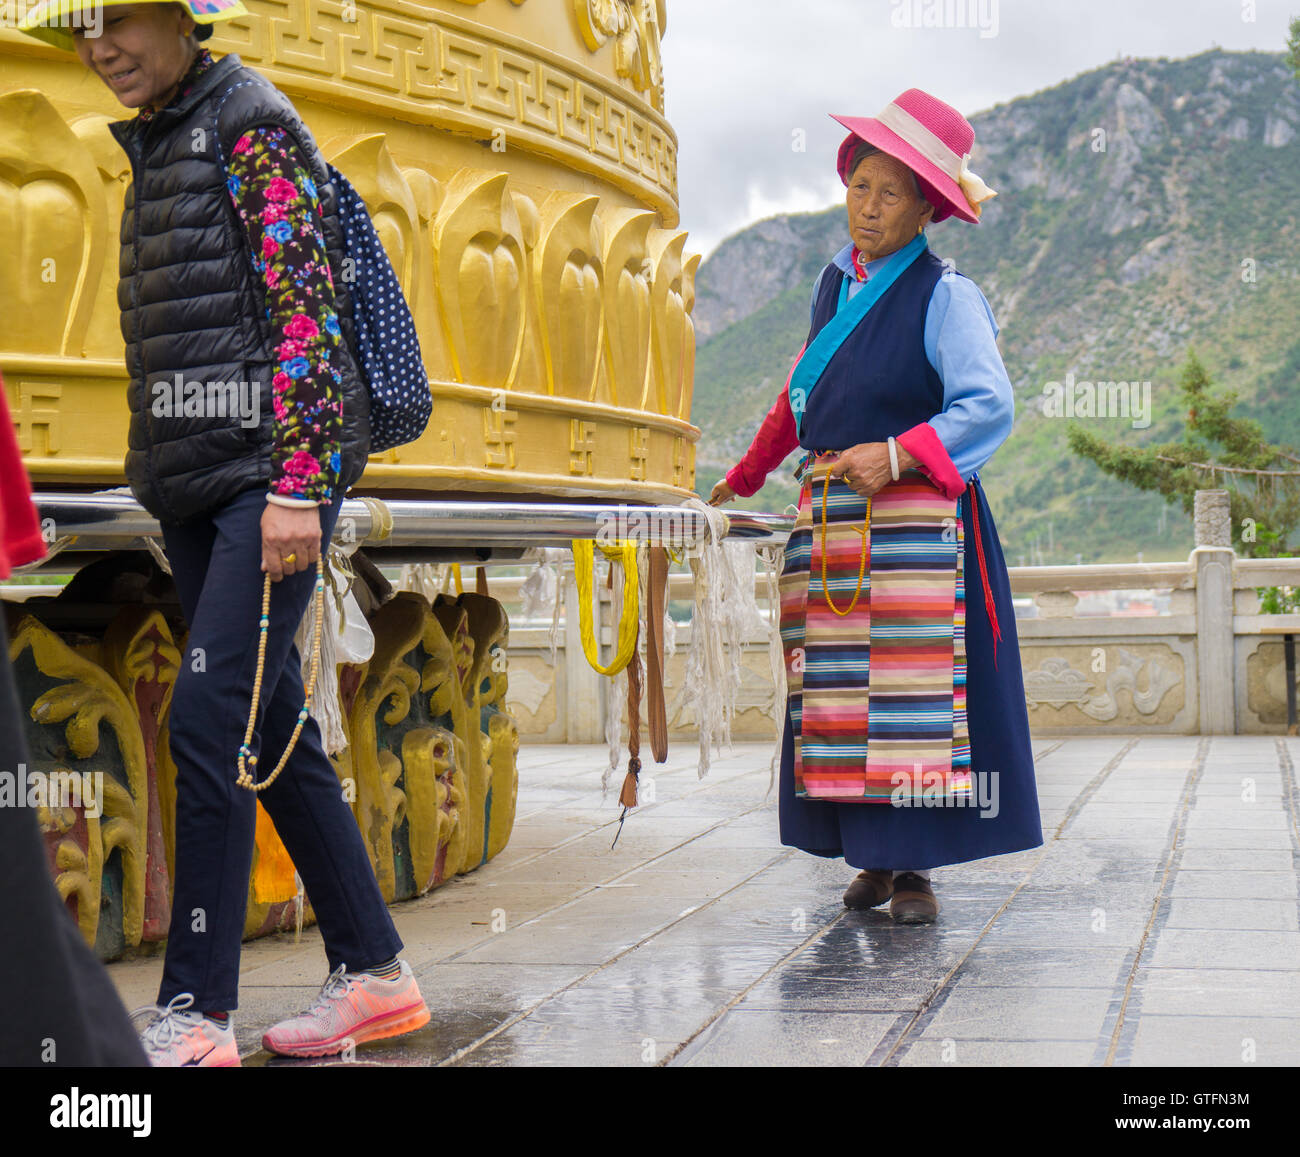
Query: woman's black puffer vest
[(193, 305)]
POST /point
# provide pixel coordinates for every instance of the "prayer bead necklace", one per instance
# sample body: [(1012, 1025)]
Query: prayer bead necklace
[(247, 761), (862, 562)]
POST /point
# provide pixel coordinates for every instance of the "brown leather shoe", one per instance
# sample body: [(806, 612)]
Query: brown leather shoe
[(869, 889), (914, 900)]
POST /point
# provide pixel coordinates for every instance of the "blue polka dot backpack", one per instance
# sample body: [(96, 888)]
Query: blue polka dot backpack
[(388, 349)]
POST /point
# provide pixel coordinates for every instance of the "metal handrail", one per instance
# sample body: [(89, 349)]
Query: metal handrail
[(99, 522)]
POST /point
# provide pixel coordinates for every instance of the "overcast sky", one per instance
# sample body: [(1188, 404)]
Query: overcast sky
[(743, 75)]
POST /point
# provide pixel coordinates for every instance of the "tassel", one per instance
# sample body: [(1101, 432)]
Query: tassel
[(984, 573), (627, 796), (325, 707)]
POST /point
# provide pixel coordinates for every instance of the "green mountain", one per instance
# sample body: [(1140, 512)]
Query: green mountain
[(1144, 208)]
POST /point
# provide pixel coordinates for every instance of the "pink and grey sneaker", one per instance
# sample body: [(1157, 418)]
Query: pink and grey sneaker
[(174, 1038), (351, 1010)]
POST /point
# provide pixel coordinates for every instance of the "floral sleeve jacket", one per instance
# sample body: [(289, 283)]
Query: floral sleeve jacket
[(277, 201)]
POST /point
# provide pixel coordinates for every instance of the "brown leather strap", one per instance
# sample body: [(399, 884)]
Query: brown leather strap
[(656, 599)]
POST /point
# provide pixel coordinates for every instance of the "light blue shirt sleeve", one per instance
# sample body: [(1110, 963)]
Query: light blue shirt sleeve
[(961, 344)]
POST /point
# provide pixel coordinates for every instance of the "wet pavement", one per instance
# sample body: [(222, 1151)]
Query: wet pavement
[(1157, 925)]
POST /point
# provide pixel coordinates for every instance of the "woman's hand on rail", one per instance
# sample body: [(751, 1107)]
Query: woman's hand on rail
[(721, 493)]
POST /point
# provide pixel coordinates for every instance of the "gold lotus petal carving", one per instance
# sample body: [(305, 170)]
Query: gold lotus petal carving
[(628, 276), (371, 170), (567, 273), (56, 235)]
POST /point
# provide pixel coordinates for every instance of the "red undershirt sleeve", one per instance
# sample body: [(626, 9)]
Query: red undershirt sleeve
[(932, 459)]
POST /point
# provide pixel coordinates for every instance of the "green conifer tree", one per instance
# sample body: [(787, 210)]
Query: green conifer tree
[(1217, 451)]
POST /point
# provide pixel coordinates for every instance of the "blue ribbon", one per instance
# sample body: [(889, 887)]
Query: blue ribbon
[(847, 318)]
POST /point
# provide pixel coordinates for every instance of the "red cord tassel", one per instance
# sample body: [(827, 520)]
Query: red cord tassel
[(984, 572)]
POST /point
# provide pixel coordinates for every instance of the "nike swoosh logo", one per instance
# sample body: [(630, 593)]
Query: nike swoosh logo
[(195, 1061)]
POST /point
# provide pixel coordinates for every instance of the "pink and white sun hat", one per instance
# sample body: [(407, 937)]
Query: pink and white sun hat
[(933, 140)]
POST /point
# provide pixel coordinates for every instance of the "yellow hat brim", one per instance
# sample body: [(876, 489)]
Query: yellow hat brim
[(47, 21)]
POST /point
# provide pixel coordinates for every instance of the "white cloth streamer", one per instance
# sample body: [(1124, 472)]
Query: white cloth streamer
[(721, 615), (345, 638), (773, 559)]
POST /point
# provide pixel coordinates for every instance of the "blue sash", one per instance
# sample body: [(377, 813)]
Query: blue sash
[(833, 334)]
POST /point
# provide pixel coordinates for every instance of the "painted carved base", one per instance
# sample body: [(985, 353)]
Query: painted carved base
[(430, 768)]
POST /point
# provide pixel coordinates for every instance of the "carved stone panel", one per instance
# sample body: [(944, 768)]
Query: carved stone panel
[(1123, 686), (1265, 676)]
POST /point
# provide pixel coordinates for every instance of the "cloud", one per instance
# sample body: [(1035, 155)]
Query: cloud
[(742, 77)]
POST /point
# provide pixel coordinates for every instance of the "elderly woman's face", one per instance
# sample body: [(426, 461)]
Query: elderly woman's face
[(141, 50), (884, 210)]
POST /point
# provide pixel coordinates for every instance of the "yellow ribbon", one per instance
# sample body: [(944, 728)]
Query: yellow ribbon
[(584, 568)]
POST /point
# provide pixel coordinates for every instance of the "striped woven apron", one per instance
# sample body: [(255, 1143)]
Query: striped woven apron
[(873, 629)]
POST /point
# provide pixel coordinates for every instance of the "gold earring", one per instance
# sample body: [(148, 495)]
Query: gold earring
[(920, 229)]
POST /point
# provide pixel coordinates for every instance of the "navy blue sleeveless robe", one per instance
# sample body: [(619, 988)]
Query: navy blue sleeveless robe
[(880, 383)]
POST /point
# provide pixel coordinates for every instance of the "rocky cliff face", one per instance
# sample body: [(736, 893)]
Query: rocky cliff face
[(750, 269), (1145, 207)]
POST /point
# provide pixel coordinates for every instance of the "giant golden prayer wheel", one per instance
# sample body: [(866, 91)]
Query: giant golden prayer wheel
[(518, 166), (517, 163)]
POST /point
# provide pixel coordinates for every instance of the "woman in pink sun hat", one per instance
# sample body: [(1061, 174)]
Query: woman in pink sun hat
[(906, 739), (232, 247)]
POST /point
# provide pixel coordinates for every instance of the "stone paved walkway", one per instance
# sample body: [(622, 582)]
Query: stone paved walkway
[(1157, 925)]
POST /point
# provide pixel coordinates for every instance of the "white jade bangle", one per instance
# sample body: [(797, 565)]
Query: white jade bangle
[(893, 459), (294, 503)]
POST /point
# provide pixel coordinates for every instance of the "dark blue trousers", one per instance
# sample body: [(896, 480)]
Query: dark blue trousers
[(216, 565)]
